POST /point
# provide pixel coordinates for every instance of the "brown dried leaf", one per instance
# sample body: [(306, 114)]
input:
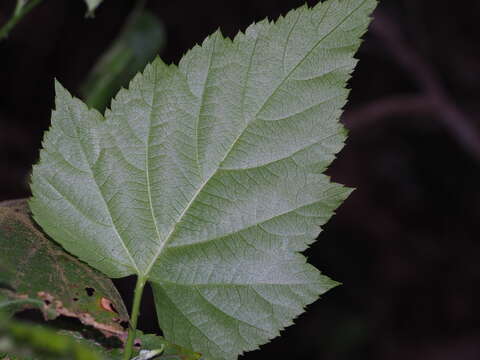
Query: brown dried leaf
[(37, 273)]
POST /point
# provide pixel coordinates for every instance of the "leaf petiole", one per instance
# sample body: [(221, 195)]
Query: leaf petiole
[(141, 281)]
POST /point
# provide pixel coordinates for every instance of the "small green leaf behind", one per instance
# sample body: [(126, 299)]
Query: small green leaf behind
[(141, 39), (24, 341), (92, 5), (145, 345), (149, 342), (36, 273), (21, 4)]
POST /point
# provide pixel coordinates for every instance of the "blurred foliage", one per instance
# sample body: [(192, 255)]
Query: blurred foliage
[(137, 44), (25, 341), (29, 341), (22, 8)]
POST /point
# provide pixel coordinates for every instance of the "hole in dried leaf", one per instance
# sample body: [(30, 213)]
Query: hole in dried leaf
[(106, 304), (75, 299), (90, 291), (113, 308)]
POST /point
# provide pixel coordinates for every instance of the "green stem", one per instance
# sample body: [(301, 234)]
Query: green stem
[(20, 11), (141, 281)]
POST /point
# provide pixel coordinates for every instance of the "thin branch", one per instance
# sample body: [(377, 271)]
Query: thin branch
[(21, 10), (419, 70), (398, 105), (434, 93)]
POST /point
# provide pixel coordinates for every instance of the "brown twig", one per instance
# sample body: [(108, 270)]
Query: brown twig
[(433, 98), (398, 105)]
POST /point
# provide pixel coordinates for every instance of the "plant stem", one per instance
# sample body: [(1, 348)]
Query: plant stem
[(134, 317), (20, 11)]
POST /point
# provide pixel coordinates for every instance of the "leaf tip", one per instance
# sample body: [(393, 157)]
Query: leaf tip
[(60, 90)]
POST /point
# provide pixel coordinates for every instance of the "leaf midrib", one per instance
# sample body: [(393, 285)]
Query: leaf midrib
[(201, 105), (147, 166)]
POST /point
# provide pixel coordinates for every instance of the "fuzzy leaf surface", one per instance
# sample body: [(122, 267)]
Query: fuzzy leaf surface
[(138, 43), (207, 177)]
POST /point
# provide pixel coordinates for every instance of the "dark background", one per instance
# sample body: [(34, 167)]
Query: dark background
[(405, 245)]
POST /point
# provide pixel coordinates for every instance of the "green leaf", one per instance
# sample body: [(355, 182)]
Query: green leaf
[(139, 42), (170, 351), (146, 344), (92, 5), (99, 345), (21, 4), (206, 178), (34, 342), (36, 273)]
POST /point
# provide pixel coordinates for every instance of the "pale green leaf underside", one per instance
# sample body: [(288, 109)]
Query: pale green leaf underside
[(92, 4), (207, 177)]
